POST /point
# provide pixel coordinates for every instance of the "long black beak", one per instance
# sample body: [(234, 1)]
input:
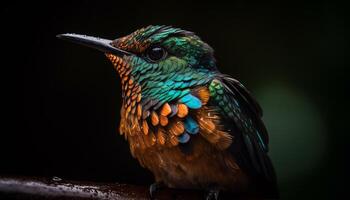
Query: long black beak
[(101, 44)]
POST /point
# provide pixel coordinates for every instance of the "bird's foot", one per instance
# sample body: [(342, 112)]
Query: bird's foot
[(154, 188), (213, 194)]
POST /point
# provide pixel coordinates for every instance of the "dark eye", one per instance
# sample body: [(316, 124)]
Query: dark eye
[(156, 53)]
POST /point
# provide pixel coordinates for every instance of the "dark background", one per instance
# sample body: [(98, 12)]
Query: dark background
[(62, 100)]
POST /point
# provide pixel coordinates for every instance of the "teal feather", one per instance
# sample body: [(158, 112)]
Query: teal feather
[(172, 92), (193, 82), (184, 92), (169, 82), (177, 84), (179, 78), (202, 81), (177, 93), (184, 84), (187, 76)]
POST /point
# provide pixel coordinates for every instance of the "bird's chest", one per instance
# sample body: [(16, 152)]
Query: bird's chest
[(194, 166)]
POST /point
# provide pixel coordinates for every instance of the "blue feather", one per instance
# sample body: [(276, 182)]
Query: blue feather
[(191, 101), (191, 126), (183, 138), (186, 98)]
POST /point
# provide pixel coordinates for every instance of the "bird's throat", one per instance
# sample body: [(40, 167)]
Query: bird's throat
[(131, 89)]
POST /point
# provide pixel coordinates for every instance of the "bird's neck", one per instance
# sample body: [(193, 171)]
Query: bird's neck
[(131, 89)]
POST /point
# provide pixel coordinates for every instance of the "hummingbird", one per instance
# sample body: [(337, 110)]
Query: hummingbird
[(192, 126)]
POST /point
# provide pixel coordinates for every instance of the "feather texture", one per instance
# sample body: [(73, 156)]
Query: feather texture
[(184, 120), (240, 109)]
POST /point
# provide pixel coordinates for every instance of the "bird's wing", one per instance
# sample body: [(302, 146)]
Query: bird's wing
[(181, 112), (241, 117), (175, 120), (223, 112)]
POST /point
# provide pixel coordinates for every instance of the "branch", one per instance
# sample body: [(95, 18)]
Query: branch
[(56, 188)]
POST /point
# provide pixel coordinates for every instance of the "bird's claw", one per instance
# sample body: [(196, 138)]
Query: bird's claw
[(154, 188), (213, 194)]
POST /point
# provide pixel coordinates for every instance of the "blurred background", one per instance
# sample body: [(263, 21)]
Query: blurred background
[(63, 103)]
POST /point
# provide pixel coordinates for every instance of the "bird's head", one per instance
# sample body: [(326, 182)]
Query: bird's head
[(157, 59)]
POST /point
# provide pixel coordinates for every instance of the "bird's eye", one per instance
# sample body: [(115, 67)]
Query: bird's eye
[(156, 53)]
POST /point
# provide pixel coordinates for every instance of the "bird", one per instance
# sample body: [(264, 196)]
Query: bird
[(192, 126)]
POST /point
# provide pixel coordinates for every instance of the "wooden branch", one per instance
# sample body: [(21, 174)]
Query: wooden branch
[(56, 188)]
